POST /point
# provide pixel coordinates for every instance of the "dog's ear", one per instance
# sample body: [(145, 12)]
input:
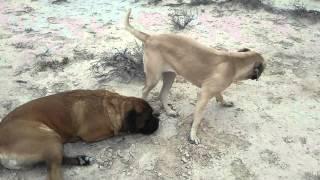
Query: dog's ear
[(244, 50), (130, 121)]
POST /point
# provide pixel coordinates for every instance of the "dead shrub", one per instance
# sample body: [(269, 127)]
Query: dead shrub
[(82, 54), (125, 66), (180, 19), (44, 65), (59, 1), (200, 2), (154, 2), (23, 45), (300, 11), (250, 4)]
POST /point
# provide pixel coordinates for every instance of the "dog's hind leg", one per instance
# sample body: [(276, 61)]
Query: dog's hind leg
[(224, 103), (32, 147), (50, 147), (53, 159), (152, 72), (151, 82), (52, 152), (168, 78)]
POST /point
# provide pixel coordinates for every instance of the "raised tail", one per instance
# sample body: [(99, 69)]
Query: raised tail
[(138, 34)]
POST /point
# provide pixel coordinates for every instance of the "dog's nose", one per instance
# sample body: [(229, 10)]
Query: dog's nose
[(156, 124), (151, 126), (254, 77), (156, 114)]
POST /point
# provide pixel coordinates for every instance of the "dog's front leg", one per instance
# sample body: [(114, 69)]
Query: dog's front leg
[(202, 102), (224, 103), (211, 87)]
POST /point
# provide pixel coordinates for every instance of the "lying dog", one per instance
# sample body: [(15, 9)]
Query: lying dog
[(166, 55), (36, 131)]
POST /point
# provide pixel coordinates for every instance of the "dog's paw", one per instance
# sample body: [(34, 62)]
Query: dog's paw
[(84, 160), (170, 112), (227, 104), (193, 138)]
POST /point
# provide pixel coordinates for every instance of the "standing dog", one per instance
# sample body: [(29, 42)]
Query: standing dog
[(166, 55), (36, 131)]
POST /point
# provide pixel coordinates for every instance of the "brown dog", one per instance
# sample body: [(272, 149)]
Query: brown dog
[(36, 131), (166, 55)]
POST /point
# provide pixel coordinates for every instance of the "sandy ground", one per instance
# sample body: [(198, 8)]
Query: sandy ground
[(273, 132)]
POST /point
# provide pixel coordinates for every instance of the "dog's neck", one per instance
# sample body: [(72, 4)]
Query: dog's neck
[(243, 68), (109, 113)]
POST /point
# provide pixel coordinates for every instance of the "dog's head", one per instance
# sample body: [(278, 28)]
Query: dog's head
[(251, 65), (141, 118), (257, 66), (257, 70)]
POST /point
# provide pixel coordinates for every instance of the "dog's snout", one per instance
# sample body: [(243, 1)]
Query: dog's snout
[(156, 113), (151, 126)]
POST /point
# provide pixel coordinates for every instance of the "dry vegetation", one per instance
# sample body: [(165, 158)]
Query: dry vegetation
[(126, 65), (181, 18), (299, 10), (44, 65)]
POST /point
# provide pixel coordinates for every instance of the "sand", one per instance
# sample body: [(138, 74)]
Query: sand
[(273, 132)]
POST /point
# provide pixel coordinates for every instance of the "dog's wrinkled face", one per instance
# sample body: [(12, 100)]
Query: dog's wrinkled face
[(257, 71), (141, 119)]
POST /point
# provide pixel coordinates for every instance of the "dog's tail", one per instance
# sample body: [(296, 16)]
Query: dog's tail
[(138, 34)]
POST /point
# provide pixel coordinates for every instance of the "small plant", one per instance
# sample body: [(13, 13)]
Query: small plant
[(299, 8), (301, 11), (250, 4), (154, 2), (43, 55), (181, 18), (126, 65), (23, 45), (28, 30), (82, 54), (200, 2), (59, 1), (44, 65)]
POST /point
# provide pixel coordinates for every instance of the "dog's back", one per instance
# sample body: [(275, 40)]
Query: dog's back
[(57, 111)]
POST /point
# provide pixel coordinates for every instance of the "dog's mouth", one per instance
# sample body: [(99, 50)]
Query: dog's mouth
[(151, 126), (254, 76)]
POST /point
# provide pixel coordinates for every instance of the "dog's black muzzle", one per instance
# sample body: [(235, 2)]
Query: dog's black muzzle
[(257, 71)]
